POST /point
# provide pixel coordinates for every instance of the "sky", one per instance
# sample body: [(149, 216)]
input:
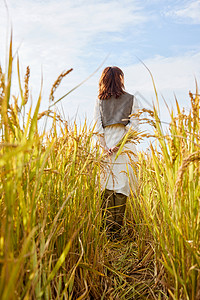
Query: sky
[(51, 36)]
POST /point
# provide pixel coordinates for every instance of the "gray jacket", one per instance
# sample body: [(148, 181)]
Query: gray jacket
[(116, 110)]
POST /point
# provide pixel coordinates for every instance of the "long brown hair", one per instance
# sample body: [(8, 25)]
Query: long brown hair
[(111, 83)]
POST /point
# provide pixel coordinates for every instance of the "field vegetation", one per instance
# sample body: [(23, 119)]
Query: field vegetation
[(53, 243)]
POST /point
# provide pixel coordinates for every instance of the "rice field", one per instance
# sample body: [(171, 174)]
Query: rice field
[(53, 243)]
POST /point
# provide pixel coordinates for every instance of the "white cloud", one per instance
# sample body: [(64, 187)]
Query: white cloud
[(49, 26), (64, 33), (172, 76), (60, 34), (190, 12)]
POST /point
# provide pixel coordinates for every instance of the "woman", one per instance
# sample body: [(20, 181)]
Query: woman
[(112, 110)]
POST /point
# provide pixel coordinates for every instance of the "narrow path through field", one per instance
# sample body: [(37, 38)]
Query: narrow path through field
[(130, 270)]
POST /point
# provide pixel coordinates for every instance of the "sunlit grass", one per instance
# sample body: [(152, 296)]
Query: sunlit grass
[(52, 239), (168, 200)]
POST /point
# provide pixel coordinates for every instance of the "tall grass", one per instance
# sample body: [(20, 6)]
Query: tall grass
[(52, 239), (49, 203), (169, 200)]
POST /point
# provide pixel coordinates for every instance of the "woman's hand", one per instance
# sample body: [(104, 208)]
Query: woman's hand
[(113, 149), (110, 151)]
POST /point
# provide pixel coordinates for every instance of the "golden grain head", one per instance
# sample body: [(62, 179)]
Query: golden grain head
[(26, 85), (191, 95), (195, 156), (16, 104), (57, 83), (2, 83), (44, 113), (13, 116)]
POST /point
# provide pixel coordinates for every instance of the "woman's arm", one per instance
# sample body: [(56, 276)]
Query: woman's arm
[(134, 121), (97, 118), (98, 126)]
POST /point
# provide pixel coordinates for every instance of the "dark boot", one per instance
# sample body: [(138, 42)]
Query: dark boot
[(120, 206), (114, 205)]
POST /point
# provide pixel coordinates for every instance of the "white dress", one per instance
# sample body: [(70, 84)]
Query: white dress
[(120, 176)]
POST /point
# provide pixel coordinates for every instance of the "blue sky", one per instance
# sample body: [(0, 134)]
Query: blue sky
[(55, 35)]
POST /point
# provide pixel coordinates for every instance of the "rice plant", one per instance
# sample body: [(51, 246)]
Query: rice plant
[(169, 200), (53, 243), (49, 202)]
